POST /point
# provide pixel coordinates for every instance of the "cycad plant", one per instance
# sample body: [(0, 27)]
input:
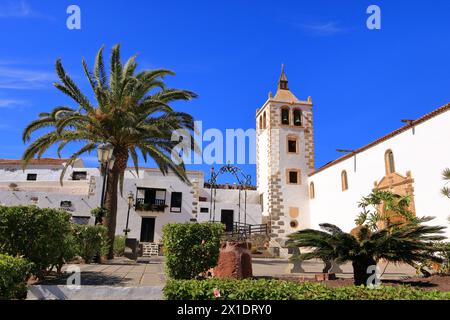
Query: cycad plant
[(131, 112), (411, 243)]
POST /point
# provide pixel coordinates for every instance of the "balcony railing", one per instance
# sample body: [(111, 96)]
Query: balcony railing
[(248, 229), (158, 205), (242, 231)]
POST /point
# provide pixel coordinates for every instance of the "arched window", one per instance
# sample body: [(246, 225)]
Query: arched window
[(293, 176), (312, 192), (292, 143), (260, 123), (297, 117), (285, 116), (264, 120), (389, 162), (344, 180)]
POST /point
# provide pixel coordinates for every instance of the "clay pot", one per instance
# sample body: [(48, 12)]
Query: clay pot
[(235, 260)]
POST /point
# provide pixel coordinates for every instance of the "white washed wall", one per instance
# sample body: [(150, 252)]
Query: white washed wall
[(155, 179), (263, 168), (425, 153), (228, 199)]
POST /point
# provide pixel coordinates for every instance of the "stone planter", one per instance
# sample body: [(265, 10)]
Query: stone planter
[(235, 260)]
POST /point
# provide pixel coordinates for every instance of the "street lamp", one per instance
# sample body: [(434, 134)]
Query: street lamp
[(106, 160), (130, 204), (104, 152)]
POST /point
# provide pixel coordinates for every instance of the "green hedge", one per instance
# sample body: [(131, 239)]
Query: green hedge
[(191, 248), (90, 241), (14, 273), (287, 290), (42, 236)]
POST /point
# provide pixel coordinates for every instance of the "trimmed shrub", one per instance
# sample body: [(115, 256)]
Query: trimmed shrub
[(263, 289), (14, 272), (90, 241), (119, 246), (42, 236), (443, 251), (191, 248)]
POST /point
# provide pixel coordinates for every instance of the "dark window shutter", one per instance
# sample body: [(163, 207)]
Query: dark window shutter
[(175, 201)]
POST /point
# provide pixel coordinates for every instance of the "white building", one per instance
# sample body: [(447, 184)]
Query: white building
[(407, 161), (159, 199)]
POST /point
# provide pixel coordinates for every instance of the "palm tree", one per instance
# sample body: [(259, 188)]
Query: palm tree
[(409, 243), (131, 113)]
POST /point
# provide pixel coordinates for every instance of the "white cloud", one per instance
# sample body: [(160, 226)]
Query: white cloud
[(8, 103), (13, 77), (323, 29), (90, 160), (19, 9)]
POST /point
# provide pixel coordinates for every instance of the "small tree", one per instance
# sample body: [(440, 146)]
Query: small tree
[(191, 248), (90, 241), (380, 207), (41, 235), (406, 243)]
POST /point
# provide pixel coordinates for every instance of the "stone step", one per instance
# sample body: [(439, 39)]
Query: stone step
[(63, 292)]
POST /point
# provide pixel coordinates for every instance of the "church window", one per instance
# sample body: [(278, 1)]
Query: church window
[(297, 117), (312, 192), (285, 116), (264, 120), (389, 162), (292, 145), (293, 176), (344, 180)]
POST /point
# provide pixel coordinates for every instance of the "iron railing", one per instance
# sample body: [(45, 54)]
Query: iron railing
[(242, 231)]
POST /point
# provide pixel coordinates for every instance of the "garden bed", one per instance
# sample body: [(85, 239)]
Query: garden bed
[(272, 289), (435, 282)]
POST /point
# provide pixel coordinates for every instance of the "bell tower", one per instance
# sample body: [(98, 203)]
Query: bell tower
[(284, 158)]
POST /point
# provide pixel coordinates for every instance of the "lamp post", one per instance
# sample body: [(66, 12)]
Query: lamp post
[(106, 160), (130, 204)]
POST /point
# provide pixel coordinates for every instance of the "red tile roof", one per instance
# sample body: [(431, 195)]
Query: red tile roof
[(422, 119), (41, 161)]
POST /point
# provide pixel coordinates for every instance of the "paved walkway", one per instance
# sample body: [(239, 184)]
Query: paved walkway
[(146, 279), (147, 273), (151, 272)]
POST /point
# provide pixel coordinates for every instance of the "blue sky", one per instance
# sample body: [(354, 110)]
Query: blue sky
[(229, 52)]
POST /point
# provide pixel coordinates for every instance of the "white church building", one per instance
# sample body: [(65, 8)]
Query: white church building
[(291, 193), (296, 195)]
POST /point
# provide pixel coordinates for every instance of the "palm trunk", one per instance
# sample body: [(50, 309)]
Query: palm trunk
[(110, 221), (360, 267)]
